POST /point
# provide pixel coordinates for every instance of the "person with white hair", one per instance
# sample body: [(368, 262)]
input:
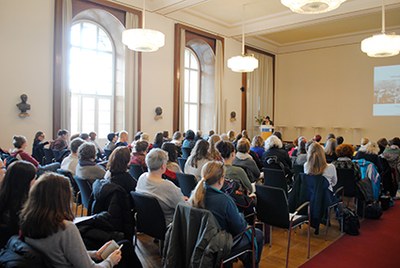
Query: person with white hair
[(273, 149), (152, 183), (370, 152)]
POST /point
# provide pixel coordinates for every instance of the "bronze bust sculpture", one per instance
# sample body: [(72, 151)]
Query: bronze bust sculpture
[(23, 106)]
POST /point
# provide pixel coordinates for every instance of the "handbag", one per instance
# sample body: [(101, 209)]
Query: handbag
[(373, 211)]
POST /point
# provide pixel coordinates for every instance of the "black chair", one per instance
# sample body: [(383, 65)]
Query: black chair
[(74, 185), (60, 155), (149, 217), (275, 178), (346, 178), (107, 153), (85, 191), (48, 156), (186, 152), (187, 183), (136, 171), (182, 162), (297, 169), (273, 209)]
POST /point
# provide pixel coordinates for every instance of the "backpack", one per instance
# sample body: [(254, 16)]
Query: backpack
[(234, 189), (351, 223), (369, 175), (373, 211)]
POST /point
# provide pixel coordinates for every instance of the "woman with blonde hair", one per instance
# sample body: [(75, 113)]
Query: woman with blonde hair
[(208, 195), (214, 154), (316, 164), (257, 146), (46, 223), (370, 152)]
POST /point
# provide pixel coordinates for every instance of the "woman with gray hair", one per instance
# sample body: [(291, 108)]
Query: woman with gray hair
[(152, 183), (87, 168), (273, 149)]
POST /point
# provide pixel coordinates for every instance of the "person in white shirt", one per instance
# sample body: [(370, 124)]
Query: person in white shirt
[(70, 162), (197, 159)]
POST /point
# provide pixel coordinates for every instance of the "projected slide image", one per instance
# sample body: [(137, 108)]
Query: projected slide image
[(387, 91)]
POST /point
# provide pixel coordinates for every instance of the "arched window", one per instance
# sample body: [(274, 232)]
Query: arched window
[(191, 91), (91, 79)]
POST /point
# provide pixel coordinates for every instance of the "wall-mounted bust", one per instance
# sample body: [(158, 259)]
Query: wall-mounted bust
[(158, 112), (23, 106), (233, 116)]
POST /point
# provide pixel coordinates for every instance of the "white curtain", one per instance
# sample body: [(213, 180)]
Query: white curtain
[(130, 100), (259, 98), (182, 80), (219, 117), (65, 43)]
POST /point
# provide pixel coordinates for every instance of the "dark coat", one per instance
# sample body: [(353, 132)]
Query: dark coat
[(282, 157)]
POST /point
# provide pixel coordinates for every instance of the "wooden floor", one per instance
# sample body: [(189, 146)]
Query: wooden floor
[(274, 256)]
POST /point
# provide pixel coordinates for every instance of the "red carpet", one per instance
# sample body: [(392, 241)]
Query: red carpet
[(377, 245)]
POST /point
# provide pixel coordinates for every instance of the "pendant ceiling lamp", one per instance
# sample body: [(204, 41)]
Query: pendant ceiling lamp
[(243, 63), (312, 6), (141, 39), (381, 45)]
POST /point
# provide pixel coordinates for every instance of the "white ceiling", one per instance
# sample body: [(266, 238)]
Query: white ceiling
[(270, 22)]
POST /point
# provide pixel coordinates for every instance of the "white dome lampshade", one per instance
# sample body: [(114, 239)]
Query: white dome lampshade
[(312, 6), (381, 45), (243, 63), (143, 40)]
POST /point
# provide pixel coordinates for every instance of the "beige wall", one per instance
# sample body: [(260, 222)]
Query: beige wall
[(26, 53), (330, 88)]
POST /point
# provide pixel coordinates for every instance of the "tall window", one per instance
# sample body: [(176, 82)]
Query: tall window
[(91, 80), (191, 91)]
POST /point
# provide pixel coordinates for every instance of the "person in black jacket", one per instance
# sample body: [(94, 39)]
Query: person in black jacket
[(273, 148), (38, 145)]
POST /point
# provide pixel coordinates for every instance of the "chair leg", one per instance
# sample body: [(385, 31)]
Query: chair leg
[(288, 247), (270, 236), (328, 218), (308, 237)]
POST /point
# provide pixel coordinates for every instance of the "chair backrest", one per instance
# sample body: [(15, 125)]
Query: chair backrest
[(107, 153), (272, 206), (136, 171), (298, 169), (186, 152), (187, 183), (48, 156), (85, 187), (150, 217), (182, 162), (69, 175), (60, 155), (275, 178), (346, 178)]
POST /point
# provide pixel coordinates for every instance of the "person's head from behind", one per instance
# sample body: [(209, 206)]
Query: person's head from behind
[(123, 136), (189, 135), (212, 174), (243, 146), (257, 141), (395, 142), (316, 159), (137, 135), (14, 187), (272, 142), (39, 136), (372, 148), (330, 146), (278, 134), (177, 136), (210, 133), (111, 137), (170, 148), (19, 142), (382, 143), (156, 160), (226, 149), (330, 136), (245, 134), (212, 140), (158, 138), (224, 137), (48, 205), (92, 135), (74, 145), (63, 133), (364, 141), (141, 147), (119, 160), (317, 138), (165, 134), (231, 135), (87, 152), (302, 147), (345, 150), (145, 137), (84, 136), (200, 149), (339, 140)]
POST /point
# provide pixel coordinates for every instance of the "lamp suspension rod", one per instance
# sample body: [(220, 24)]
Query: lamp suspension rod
[(144, 13), (383, 17), (243, 31)]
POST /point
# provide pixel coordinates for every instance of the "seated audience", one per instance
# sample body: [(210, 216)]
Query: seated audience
[(224, 137), (244, 160), (197, 159), (165, 134), (339, 140), (294, 148), (330, 136), (245, 134), (214, 154), (122, 139), (278, 134), (93, 136), (273, 148), (84, 136), (146, 137), (392, 155), (237, 138), (152, 183), (136, 139), (48, 227), (231, 135), (316, 165), (177, 139), (199, 135), (301, 157), (38, 145), (330, 147), (70, 162), (257, 146), (208, 195), (382, 143), (172, 164), (345, 153), (111, 143), (61, 143), (370, 152), (14, 190), (139, 155), (237, 174), (158, 140), (317, 138), (188, 142), (87, 168)]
